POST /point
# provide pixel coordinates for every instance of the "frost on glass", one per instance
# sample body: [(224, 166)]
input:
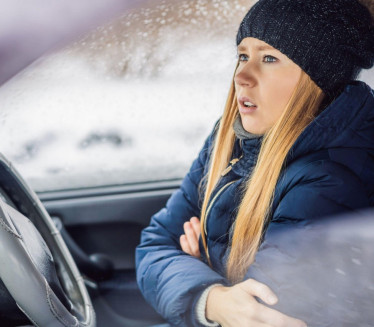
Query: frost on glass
[(323, 273), (131, 102)]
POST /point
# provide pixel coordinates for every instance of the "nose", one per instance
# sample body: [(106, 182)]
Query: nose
[(245, 75)]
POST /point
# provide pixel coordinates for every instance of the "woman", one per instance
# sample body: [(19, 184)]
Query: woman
[(295, 143)]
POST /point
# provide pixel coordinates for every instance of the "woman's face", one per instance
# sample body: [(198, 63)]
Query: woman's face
[(264, 82)]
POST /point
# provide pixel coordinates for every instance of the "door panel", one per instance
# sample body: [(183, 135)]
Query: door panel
[(106, 223)]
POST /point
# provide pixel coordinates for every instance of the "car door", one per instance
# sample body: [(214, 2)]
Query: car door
[(101, 227), (105, 129)]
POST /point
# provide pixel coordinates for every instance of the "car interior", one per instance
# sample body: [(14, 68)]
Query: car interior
[(101, 230), (67, 255)]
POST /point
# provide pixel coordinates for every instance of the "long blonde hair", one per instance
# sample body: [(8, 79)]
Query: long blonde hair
[(257, 197)]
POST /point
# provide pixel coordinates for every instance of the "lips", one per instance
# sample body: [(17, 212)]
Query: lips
[(246, 105)]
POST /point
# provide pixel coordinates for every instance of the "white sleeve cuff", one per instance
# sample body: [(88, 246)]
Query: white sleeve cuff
[(201, 308)]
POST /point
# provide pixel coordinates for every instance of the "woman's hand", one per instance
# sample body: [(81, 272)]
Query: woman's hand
[(237, 306), (189, 241)]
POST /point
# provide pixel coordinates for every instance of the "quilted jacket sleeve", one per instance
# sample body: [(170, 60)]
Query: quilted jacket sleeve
[(321, 188), (170, 280)]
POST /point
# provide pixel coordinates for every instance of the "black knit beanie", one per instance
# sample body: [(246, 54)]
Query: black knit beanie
[(331, 40)]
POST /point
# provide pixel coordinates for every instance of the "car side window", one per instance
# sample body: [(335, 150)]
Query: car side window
[(131, 102)]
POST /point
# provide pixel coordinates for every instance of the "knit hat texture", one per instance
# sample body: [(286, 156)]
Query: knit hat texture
[(331, 40)]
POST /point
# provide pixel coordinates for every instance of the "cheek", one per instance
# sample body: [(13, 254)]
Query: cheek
[(279, 90)]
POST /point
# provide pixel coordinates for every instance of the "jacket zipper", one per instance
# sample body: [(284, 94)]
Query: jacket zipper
[(229, 167), (225, 171), (233, 161), (209, 207)]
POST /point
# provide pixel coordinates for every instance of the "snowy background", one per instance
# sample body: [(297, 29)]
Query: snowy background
[(133, 101)]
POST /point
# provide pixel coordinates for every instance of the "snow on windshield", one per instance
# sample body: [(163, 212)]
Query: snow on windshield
[(131, 102)]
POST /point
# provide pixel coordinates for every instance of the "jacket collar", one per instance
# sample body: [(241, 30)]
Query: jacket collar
[(247, 150)]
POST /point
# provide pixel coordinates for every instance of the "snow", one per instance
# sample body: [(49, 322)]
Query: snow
[(64, 126)]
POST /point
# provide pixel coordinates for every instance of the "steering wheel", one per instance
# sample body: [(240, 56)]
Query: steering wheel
[(35, 265)]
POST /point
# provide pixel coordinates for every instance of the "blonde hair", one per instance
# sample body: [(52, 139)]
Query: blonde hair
[(257, 197), (369, 4)]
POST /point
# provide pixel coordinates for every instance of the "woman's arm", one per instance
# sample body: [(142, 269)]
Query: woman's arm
[(171, 280), (236, 305)]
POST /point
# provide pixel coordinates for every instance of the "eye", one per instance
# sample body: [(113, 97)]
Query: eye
[(242, 57), (270, 59)]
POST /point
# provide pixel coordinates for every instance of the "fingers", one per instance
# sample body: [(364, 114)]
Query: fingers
[(195, 222), (264, 314), (275, 318), (184, 244), (189, 241), (192, 239), (259, 290), (260, 324)]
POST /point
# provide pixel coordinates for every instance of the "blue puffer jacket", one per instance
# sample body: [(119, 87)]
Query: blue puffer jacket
[(330, 169)]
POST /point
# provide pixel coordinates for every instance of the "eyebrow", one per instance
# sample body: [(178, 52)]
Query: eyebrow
[(260, 48)]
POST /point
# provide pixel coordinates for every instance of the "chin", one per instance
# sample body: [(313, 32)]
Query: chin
[(252, 128)]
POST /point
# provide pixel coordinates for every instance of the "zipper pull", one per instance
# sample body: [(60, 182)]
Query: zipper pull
[(229, 167)]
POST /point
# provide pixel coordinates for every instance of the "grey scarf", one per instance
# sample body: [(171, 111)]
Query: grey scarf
[(240, 132)]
